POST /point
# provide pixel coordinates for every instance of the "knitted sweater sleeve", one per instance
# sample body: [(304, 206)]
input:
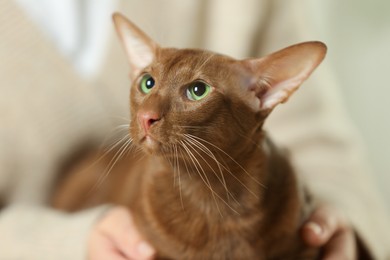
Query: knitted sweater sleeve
[(45, 111), (28, 232)]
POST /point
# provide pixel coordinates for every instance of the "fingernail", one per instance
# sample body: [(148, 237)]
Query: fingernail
[(145, 249), (315, 228)]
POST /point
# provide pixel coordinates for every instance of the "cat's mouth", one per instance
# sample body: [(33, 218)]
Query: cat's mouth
[(150, 144)]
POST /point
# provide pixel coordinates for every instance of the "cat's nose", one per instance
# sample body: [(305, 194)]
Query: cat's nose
[(147, 119)]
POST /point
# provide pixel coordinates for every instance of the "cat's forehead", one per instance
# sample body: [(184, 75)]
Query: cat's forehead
[(190, 64)]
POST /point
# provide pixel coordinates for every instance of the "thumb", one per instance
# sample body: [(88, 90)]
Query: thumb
[(321, 226), (127, 237)]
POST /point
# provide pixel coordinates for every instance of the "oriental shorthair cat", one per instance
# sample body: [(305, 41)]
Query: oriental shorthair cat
[(197, 171)]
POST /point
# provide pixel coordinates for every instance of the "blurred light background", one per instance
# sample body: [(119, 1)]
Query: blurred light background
[(358, 33)]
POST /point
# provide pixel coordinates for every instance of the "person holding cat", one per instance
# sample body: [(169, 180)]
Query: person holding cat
[(42, 139)]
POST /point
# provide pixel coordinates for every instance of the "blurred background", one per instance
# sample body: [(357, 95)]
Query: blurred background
[(357, 33)]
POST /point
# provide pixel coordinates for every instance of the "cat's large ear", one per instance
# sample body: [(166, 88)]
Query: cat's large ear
[(140, 49), (279, 74)]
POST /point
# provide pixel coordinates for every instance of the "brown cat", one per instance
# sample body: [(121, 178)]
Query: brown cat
[(205, 181)]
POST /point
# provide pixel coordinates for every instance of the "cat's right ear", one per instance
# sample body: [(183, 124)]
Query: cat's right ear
[(140, 49)]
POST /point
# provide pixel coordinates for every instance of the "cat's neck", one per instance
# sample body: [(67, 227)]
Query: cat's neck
[(261, 190), (215, 181)]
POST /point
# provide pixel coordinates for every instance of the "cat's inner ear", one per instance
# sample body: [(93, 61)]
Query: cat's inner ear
[(276, 76), (140, 49)]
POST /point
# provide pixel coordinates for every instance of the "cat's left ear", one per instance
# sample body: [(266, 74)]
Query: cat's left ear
[(276, 76), (140, 49)]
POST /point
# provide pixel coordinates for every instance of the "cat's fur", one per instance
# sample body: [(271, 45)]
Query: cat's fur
[(206, 182)]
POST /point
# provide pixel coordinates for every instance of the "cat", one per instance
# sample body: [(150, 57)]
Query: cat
[(203, 180)]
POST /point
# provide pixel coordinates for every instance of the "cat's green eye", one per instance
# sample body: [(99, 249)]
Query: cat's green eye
[(147, 83), (197, 91)]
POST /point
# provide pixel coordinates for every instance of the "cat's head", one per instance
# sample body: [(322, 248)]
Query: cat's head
[(181, 96)]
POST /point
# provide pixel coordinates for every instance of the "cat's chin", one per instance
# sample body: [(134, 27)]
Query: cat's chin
[(150, 145)]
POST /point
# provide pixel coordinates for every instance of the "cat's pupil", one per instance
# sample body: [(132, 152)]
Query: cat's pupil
[(199, 89), (149, 83)]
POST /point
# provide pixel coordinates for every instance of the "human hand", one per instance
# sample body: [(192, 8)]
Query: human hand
[(115, 237), (329, 229)]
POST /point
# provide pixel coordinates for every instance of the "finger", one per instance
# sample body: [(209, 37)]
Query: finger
[(127, 239), (341, 246), (132, 244), (111, 255), (311, 233), (144, 251), (104, 250), (321, 226)]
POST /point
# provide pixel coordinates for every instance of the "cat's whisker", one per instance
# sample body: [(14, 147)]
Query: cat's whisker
[(185, 163), (207, 182), (138, 152), (211, 155), (192, 126), (112, 133), (231, 158), (169, 151), (122, 126), (208, 152), (116, 158), (121, 140), (173, 165), (205, 61), (246, 138), (175, 173), (179, 174), (215, 173), (228, 170), (117, 140), (133, 149), (111, 164), (113, 146), (203, 177), (198, 129), (192, 158)]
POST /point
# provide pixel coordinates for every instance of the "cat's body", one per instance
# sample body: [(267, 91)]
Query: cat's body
[(207, 182), (182, 219)]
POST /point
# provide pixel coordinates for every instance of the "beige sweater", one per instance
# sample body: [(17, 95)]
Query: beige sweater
[(47, 110)]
